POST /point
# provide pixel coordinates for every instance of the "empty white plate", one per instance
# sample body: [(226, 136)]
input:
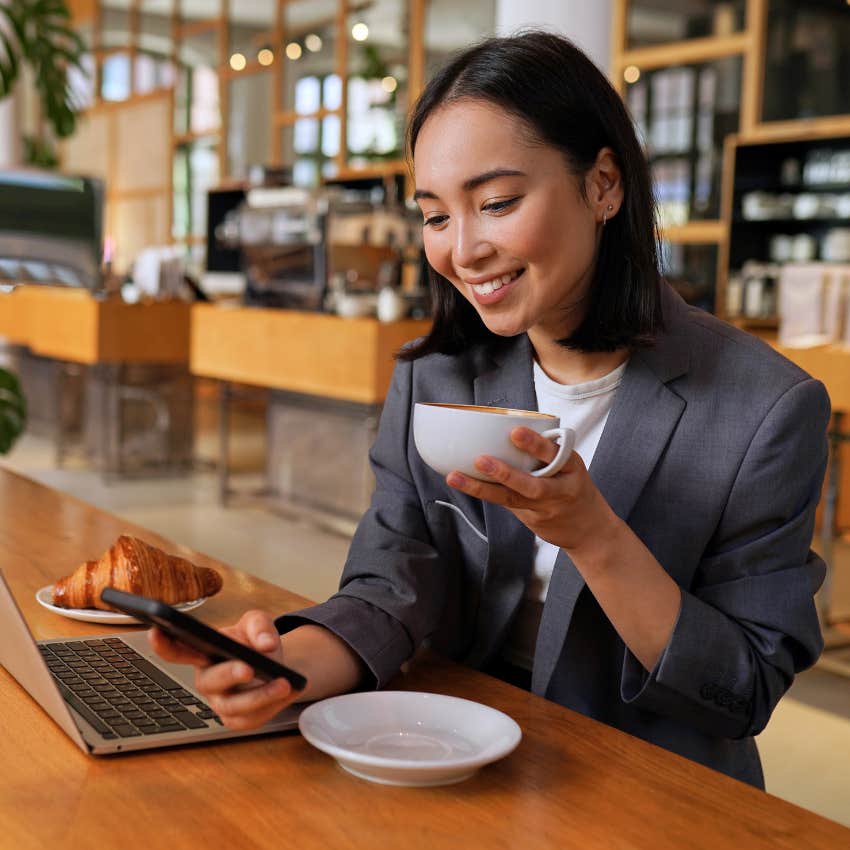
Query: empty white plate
[(95, 615), (408, 737)]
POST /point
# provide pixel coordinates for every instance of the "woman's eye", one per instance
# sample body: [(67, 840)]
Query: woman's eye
[(435, 220), (499, 206)]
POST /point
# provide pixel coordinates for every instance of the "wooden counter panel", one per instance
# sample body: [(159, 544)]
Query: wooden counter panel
[(14, 318), (829, 364), (156, 332), (572, 782), (313, 353), (69, 324), (61, 323)]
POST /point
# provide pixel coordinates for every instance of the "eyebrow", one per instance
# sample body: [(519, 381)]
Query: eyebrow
[(473, 182)]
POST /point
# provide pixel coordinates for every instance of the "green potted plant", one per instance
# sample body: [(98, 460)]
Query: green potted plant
[(40, 34), (13, 410)]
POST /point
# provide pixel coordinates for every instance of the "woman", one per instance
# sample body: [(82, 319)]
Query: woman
[(668, 589)]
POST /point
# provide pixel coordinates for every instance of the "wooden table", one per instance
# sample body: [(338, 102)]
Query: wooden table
[(572, 782)]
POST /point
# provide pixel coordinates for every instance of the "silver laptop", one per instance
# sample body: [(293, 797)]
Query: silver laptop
[(112, 693)]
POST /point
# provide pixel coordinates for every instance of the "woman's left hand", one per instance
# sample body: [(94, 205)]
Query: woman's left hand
[(565, 509)]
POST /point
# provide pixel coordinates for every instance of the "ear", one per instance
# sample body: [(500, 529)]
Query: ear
[(605, 186)]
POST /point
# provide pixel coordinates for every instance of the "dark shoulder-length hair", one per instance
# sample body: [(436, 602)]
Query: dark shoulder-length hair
[(563, 98)]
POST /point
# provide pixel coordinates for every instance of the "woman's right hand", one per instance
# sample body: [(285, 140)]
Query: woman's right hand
[(230, 688)]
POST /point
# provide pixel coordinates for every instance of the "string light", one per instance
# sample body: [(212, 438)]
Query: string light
[(238, 62), (293, 50), (389, 84), (314, 44), (360, 32), (265, 56), (632, 73)]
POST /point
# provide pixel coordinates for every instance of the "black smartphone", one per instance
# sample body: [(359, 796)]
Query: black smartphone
[(197, 635)]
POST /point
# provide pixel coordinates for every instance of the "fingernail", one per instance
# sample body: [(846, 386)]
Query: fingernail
[(279, 688), (522, 437), (242, 671), (485, 464), (266, 640), (456, 479)]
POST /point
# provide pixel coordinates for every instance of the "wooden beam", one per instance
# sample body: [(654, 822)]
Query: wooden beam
[(342, 72), (727, 188), (752, 91), (83, 12), (416, 55), (688, 52), (708, 232), (619, 43), (802, 129)]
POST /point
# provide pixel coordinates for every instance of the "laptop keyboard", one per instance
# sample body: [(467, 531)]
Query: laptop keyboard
[(120, 693)]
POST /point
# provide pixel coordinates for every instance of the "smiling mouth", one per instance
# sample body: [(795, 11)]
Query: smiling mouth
[(497, 283)]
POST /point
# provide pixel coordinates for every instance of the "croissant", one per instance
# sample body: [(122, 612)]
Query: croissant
[(136, 567)]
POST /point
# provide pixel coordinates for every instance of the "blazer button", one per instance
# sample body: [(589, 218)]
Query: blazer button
[(708, 691)]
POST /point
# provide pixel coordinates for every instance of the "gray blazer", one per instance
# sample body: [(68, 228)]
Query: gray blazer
[(714, 453)]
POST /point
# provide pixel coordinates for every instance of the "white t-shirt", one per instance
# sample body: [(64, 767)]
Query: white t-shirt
[(584, 408)]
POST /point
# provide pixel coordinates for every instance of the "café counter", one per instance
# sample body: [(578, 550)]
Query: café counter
[(327, 376), (572, 782), (112, 372)]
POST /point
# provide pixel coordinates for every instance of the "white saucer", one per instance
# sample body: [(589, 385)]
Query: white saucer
[(409, 738), (95, 615)]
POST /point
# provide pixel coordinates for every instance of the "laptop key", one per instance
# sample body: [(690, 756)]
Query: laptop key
[(124, 730), (190, 719), (162, 679), (83, 710), (134, 714), (170, 727)]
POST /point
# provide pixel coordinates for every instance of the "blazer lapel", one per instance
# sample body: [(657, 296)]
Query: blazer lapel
[(642, 419), (508, 383)]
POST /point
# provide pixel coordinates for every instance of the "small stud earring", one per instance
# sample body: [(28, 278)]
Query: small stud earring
[(605, 214)]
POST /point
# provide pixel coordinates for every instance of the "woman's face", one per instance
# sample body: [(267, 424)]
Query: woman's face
[(505, 221)]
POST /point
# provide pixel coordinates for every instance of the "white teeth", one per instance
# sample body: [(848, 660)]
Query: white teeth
[(492, 285)]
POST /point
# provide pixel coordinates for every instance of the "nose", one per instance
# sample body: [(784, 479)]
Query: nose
[(470, 246)]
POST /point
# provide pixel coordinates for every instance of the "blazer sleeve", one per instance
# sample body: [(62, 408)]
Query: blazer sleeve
[(393, 584), (748, 623)]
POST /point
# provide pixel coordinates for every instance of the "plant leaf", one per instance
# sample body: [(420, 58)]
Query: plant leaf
[(13, 410)]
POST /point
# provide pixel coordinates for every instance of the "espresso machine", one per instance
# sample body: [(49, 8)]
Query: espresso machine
[(322, 248)]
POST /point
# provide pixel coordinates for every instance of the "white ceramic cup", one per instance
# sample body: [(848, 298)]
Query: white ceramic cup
[(451, 436)]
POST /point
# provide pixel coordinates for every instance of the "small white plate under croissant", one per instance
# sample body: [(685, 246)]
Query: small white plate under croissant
[(137, 567)]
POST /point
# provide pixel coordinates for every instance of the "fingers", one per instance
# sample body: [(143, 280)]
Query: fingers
[(530, 441), (230, 688), (258, 631), (239, 700), (510, 486), (174, 651)]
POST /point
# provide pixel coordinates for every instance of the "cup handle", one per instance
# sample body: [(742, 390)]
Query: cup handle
[(567, 439)]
